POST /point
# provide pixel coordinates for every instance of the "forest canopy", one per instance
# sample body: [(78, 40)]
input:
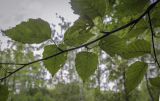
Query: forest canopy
[(121, 35)]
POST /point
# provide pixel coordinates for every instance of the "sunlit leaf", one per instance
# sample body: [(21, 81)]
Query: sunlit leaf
[(31, 31), (135, 74), (86, 64), (55, 63)]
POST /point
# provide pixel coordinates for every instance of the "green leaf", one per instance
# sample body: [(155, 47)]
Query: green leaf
[(78, 33), (135, 32), (155, 92), (137, 48), (55, 63), (155, 16), (86, 64), (89, 8), (138, 29), (131, 7), (112, 45), (32, 31), (74, 37), (155, 82), (3, 93), (83, 23), (135, 74)]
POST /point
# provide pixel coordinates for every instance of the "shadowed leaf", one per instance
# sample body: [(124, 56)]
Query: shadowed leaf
[(86, 64), (135, 74), (55, 63), (32, 31)]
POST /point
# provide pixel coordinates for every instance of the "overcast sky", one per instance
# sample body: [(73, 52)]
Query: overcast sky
[(13, 12)]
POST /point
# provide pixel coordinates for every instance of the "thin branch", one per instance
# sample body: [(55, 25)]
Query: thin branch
[(57, 45), (7, 63), (152, 36), (84, 45), (148, 89), (131, 28), (135, 20)]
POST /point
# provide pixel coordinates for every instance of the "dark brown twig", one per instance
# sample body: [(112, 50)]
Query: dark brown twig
[(152, 37)]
